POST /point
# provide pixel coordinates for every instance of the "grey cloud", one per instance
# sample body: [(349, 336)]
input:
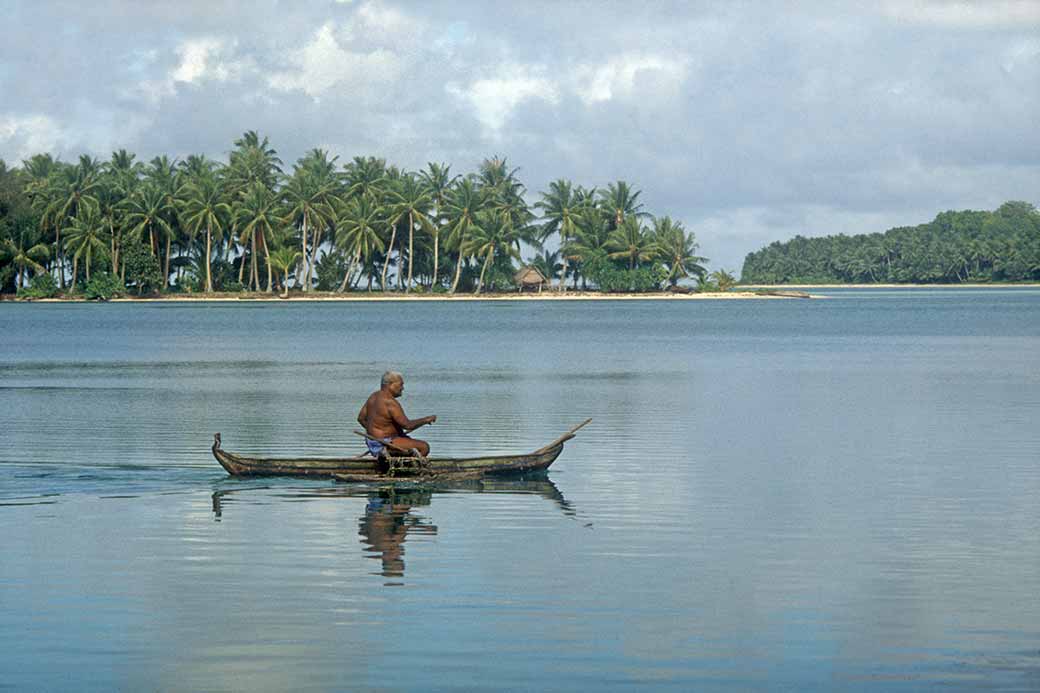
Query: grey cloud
[(750, 123)]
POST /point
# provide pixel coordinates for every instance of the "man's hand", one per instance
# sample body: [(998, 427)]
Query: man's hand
[(431, 419)]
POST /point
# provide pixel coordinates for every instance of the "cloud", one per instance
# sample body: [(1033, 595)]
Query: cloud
[(323, 63), (860, 114), (21, 136), (620, 76), (493, 99), (965, 15)]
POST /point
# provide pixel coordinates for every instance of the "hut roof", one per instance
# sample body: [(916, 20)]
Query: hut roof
[(529, 275)]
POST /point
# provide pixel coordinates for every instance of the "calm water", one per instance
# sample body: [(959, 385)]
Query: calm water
[(804, 495)]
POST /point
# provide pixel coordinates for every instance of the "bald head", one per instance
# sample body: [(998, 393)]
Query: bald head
[(390, 377)]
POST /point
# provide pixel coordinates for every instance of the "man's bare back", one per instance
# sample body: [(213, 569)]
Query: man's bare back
[(384, 418)]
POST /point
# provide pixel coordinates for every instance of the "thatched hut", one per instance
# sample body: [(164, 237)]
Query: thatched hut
[(528, 277)]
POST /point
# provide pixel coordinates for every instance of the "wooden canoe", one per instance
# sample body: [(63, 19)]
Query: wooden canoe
[(363, 468)]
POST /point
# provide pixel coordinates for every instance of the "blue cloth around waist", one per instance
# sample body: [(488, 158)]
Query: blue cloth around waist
[(376, 446)]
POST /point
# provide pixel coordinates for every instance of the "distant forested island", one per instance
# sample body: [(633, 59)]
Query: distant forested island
[(956, 247), (104, 228)]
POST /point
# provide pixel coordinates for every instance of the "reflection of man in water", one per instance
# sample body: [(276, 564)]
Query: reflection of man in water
[(384, 528), (384, 419)]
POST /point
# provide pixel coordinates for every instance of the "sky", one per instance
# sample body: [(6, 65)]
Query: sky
[(749, 122)]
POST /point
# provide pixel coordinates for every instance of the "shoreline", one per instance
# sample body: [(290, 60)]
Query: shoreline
[(1028, 285), (384, 298)]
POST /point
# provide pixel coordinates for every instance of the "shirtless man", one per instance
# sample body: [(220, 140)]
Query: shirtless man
[(383, 418)]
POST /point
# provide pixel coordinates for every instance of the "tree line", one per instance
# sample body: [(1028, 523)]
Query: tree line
[(956, 247), (248, 224)]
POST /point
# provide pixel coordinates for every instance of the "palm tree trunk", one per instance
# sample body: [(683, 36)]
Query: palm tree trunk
[(75, 271), (88, 265), (166, 265), (458, 272), (436, 256), (386, 263), (58, 257), (115, 257), (305, 264), (209, 256), (241, 266), (400, 264), (487, 262), (315, 245), (254, 271), (267, 260), (411, 231), (350, 270)]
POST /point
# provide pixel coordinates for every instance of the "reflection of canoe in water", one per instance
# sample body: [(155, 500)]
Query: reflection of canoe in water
[(368, 469)]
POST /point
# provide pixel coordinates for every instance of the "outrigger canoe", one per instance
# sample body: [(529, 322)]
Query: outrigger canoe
[(364, 468)]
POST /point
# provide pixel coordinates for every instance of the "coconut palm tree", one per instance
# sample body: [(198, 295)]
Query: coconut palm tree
[(283, 260), (203, 206), (253, 160), (69, 188), (723, 280), (560, 209), (591, 241), (259, 218), (364, 176), (631, 241), (492, 236), (308, 197), (147, 213), (465, 203), (439, 182), (548, 263), (27, 251), (359, 232), (86, 237), (412, 201), (620, 201), (678, 250)]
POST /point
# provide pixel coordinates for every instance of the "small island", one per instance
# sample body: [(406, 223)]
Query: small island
[(967, 247), (250, 228)]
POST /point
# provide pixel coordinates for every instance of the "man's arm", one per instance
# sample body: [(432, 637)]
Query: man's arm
[(403, 422), (362, 417)]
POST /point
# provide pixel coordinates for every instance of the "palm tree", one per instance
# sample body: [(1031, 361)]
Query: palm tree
[(630, 240), (203, 207), (464, 205), (678, 249), (560, 209), (439, 182), (591, 241), (548, 263), (723, 280), (410, 200), (259, 218), (26, 251), (253, 160), (308, 196), (86, 237), (364, 175), (492, 236), (359, 232), (70, 188), (621, 202), (283, 260), (148, 213)]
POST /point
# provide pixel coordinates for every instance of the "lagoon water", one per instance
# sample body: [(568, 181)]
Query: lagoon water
[(805, 495)]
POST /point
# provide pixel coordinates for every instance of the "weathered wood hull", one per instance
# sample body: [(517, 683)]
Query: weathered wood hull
[(370, 469)]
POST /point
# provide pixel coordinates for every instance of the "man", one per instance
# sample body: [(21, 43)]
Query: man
[(384, 419)]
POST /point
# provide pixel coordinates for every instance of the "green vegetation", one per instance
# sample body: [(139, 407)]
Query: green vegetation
[(101, 229), (968, 246)]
